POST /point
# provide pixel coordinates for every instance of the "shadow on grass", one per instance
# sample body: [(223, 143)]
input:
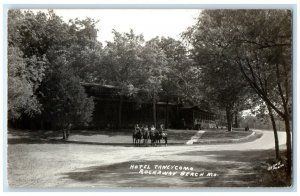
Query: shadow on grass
[(233, 169), (108, 132), (124, 144), (58, 133), (119, 175), (38, 140), (115, 175), (55, 137), (35, 141), (177, 137), (236, 156)]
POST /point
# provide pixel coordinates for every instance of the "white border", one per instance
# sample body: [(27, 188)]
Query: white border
[(119, 3)]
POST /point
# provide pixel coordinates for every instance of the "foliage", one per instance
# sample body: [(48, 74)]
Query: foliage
[(23, 78), (221, 80), (25, 72), (263, 55), (85, 50), (181, 78), (266, 62), (63, 98), (48, 58), (154, 66), (122, 62)]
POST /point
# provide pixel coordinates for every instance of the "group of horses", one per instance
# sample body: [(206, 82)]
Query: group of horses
[(142, 135)]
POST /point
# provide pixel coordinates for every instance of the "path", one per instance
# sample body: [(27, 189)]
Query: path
[(195, 138)]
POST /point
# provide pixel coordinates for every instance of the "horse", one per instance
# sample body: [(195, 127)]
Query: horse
[(146, 136), (157, 137), (162, 135), (137, 136), (165, 137), (152, 137)]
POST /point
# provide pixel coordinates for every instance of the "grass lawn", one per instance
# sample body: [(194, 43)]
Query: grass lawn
[(107, 137), (124, 137), (224, 134)]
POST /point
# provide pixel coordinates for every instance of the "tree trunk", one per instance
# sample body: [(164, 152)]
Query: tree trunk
[(275, 132), (166, 115), (41, 124), (154, 109), (68, 133), (120, 112), (177, 121), (64, 134), (288, 147), (236, 120), (229, 119)]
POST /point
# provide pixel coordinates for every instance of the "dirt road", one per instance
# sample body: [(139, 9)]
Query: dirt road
[(77, 165)]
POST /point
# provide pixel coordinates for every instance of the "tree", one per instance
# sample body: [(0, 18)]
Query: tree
[(24, 73), (64, 99), (122, 65), (174, 83), (262, 111), (154, 71), (266, 63), (263, 55), (21, 86), (46, 47), (181, 75), (85, 50), (222, 82), (41, 33)]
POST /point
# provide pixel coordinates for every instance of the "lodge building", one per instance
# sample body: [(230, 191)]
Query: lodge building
[(170, 111)]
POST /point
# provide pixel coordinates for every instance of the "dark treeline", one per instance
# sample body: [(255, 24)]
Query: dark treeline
[(236, 60), (49, 59)]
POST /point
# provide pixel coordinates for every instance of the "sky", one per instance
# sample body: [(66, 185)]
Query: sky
[(149, 22)]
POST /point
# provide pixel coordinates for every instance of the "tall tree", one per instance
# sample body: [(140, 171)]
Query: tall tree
[(182, 77), (22, 82), (223, 83), (154, 71), (122, 64), (64, 99), (85, 50), (48, 46), (263, 55), (25, 73), (264, 58)]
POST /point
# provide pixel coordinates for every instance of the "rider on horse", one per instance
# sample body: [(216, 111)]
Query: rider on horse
[(163, 134), (152, 135), (146, 134), (137, 135)]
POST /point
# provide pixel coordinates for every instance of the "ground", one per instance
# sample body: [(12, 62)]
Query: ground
[(41, 163)]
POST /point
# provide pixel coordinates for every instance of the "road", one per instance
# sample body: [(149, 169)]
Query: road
[(78, 165)]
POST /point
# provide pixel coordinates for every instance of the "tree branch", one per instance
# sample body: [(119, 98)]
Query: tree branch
[(279, 86), (259, 91)]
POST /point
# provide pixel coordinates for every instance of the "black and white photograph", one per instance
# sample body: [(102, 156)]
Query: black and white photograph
[(150, 98)]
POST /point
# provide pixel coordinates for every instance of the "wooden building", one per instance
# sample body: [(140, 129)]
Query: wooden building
[(170, 111)]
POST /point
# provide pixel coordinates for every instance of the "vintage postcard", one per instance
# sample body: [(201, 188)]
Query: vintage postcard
[(149, 98)]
